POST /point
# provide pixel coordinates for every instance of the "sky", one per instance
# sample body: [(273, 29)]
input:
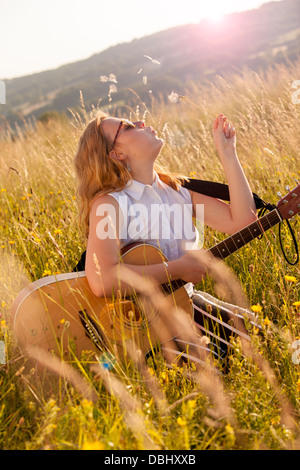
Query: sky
[(37, 35)]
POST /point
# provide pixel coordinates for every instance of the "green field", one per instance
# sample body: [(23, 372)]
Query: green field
[(256, 405)]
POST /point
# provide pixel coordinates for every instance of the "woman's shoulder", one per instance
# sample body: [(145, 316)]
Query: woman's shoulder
[(101, 199)]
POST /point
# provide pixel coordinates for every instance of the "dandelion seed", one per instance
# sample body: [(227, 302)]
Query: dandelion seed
[(145, 79), (175, 98), (112, 78), (112, 89), (103, 78), (256, 308), (154, 61), (269, 151), (290, 278), (140, 71)]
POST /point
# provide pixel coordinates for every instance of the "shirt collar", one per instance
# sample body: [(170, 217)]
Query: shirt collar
[(136, 189)]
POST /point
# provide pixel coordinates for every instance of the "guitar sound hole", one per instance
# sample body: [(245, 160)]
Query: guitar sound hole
[(128, 311)]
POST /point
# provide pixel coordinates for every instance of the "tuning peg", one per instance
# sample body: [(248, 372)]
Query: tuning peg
[(287, 188), (279, 194)]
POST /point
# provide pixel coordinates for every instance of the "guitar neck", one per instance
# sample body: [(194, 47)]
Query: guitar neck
[(246, 235)]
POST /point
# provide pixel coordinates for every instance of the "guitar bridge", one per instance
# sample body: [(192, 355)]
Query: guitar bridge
[(91, 330)]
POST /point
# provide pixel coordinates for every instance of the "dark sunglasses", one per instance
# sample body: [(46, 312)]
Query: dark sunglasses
[(124, 122)]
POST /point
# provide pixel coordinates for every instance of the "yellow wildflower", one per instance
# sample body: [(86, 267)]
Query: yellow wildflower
[(3, 190), (298, 385), (57, 232), (181, 421), (11, 242), (267, 322), (256, 308), (47, 272), (3, 323), (192, 404), (93, 445), (290, 278), (297, 304), (164, 377)]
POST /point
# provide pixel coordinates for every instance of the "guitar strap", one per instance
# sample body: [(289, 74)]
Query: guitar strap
[(221, 191), (217, 190)]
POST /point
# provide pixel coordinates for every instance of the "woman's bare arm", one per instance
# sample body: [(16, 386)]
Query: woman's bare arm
[(241, 211), (103, 254)]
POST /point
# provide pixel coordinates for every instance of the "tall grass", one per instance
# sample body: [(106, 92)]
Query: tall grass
[(141, 406)]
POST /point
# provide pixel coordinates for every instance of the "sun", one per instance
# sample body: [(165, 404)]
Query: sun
[(213, 10), (215, 17)]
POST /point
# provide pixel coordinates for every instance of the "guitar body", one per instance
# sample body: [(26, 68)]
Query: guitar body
[(60, 312)]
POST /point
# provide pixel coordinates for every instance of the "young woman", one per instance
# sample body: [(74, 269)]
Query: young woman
[(121, 191)]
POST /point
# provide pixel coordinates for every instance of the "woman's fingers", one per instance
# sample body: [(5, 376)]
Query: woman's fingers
[(223, 127)]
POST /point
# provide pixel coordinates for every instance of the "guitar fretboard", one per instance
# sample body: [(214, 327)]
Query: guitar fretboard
[(246, 235)]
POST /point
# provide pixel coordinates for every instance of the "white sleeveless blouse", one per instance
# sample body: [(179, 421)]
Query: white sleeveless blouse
[(157, 214)]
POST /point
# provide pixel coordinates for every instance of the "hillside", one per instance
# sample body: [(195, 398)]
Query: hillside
[(253, 38)]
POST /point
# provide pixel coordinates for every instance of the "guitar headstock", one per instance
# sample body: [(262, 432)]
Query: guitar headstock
[(289, 205)]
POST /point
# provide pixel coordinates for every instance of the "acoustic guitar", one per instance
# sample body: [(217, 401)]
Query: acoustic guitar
[(60, 313)]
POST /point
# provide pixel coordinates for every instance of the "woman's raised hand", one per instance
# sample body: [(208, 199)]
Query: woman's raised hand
[(224, 135)]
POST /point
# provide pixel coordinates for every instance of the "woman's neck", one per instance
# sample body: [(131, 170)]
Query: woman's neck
[(143, 175)]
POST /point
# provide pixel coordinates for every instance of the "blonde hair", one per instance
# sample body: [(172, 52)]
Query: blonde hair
[(98, 173)]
